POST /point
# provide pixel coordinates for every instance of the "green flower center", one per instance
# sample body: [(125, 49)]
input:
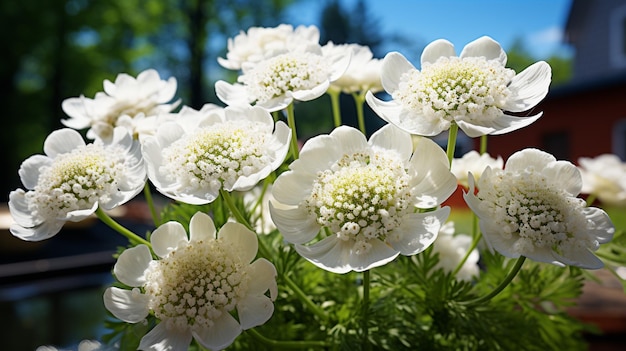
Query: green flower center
[(195, 284), (472, 87), (362, 197)]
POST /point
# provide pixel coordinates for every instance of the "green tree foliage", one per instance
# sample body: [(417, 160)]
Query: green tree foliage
[(63, 48)]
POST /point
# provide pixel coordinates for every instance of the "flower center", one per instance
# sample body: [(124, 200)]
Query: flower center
[(195, 284), (525, 205), (218, 154), (76, 180), (284, 73), (472, 87), (361, 197)]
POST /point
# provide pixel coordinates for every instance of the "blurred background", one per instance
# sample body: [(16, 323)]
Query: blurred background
[(50, 292)]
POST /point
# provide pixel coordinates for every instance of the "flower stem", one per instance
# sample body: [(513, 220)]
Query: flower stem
[(359, 100), (365, 310), (132, 237), (233, 209), (305, 299), (267, 254), (483, 144), (452, 133), (507, 280), (291, 121), (287, 344), (335, 104), (156, 219)]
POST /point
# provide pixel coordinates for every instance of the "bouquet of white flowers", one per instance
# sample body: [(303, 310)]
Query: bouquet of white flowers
[(344, 241)]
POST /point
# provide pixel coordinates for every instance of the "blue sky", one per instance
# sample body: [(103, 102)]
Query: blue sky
[(539, 23)]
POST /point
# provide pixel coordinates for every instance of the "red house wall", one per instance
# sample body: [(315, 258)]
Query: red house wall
[(586, 114)]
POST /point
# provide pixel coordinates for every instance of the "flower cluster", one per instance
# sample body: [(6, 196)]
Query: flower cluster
[(343, 202)]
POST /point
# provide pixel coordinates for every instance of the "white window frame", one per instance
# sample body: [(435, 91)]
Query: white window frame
[(617, 42), (619, 138)]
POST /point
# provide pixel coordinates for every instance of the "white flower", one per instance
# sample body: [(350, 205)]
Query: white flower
[(191, 159), (127, 98), (472, 90), (452, 248), (72, 179), (365, 194), (85, 345), (475, 163), (605, 177), (260, 42), (530, 209), (363, 73), (276, 81), (195, 285)]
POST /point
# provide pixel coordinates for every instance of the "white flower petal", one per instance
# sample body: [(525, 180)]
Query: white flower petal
[(168, 237), (330, 254), (263, 274), (131, 265), (241, 239), (254, 310), (128, 305), (232, 94), (436, 49), (529, 158), (529, 87), (201, 227), (296, 225), (393, 67), (161, 338), (418, 231), (566, 176), (40, 232), (311, 94), (30, 169), (485, 47), (582, 258), (21, 213), (225, 330), (601, 227), (291, 188), (506, 123), (62, 141), (391, 137)]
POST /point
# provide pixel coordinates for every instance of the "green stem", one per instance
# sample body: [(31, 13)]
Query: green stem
[(305, 299), (507, 280), (233, 209), (590, 199), (156, 219), (452, 133), (132, 237), (359, 100), (335, 104), (483, 144), (365, 310), (468, 253), (286, 344), (291, 121)]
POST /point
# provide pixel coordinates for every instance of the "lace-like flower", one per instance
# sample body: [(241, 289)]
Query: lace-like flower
[(258, 43), (475, 163), (126, 99), (452, 248), (195, 286), (364, 195), (191, 159), (276, 81), (604, 176), (530, 209), (363, 73), (72, 179), (472, 90), (85, 345)]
